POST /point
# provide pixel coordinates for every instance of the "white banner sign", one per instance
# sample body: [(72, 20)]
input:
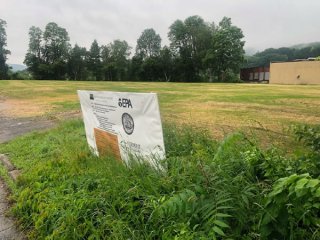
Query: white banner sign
[(123, 124)]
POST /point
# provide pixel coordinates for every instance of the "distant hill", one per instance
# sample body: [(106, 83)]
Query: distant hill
[(283, 54), (17, 67), (304, 45), (249, 51)]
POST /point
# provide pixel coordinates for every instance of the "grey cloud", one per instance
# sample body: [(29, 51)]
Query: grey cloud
[(265, 23)]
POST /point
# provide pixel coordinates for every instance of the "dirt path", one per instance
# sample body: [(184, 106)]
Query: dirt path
[(11, 128)]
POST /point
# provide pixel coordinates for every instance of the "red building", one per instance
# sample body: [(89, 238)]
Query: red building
[(255, 74)]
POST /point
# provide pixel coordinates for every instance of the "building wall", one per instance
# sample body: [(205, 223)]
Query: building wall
[(304, 72), (255, 74)]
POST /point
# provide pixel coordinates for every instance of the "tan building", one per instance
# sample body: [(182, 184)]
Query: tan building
[(301, 72)]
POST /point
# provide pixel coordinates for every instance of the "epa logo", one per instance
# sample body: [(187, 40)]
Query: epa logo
[(125, 103)]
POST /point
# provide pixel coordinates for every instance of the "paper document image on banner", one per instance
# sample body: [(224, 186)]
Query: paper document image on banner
[(122, 124), (107, 143)]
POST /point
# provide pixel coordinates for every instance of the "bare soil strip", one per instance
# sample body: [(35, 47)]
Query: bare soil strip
[(8, 230)]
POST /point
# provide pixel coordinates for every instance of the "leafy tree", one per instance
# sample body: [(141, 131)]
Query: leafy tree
[(189, 41), (115, 60), (135, 68), (56, 43), (147, 55), (107, 69), (48, 52), (226, 54), (148, 44), (33, 58), (166, 63), (55, 50), (151, 69), (3, 51), (35, 46), (77, 63), (119, 54), (94, 60)]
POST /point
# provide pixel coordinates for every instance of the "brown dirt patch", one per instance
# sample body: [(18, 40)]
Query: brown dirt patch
[(24, 108), (21, 108)]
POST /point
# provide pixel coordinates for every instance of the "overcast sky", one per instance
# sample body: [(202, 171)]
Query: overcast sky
[(265, 23)]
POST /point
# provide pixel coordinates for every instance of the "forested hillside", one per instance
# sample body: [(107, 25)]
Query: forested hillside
[(300, 51)]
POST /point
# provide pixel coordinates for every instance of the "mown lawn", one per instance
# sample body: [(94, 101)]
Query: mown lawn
[(264, 110)]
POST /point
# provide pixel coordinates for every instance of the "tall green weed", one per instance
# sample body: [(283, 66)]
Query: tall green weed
[(210, 190)]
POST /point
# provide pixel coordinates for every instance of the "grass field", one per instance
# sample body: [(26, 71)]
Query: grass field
[(265, 110), (212, 189)]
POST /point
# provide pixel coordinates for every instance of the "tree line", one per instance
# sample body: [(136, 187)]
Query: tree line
[(283, 54), (198, 51)]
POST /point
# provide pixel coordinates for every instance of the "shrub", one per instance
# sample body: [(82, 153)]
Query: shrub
[(292, 209), (310, 161)]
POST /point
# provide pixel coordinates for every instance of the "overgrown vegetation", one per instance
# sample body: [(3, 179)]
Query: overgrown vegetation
[(211, 190)]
